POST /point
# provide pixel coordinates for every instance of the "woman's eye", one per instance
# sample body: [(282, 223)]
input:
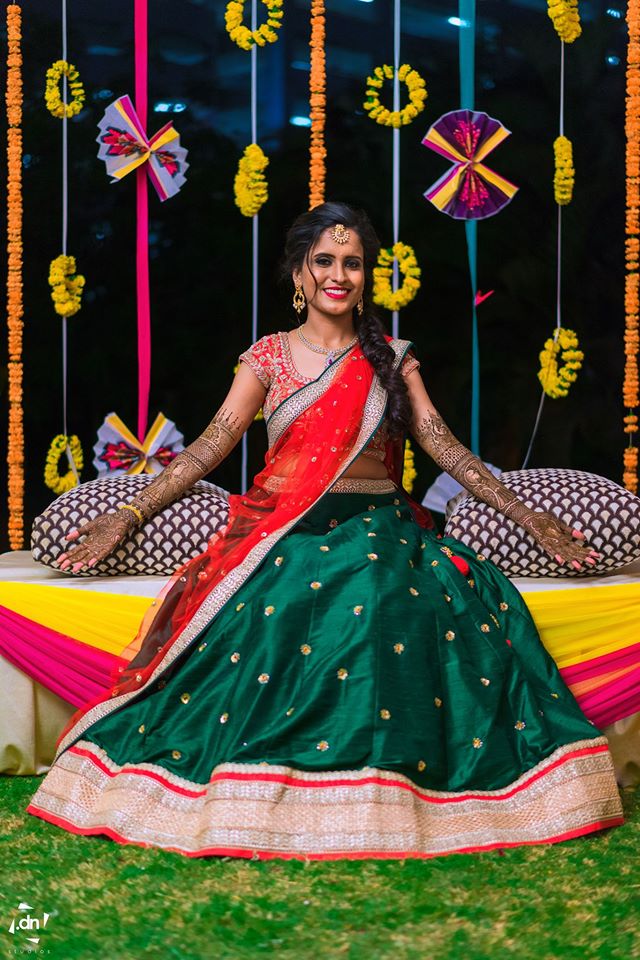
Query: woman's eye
[(323, 261), (354, 265)]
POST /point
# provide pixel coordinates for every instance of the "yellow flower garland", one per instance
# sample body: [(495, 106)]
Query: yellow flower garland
[(250, 185), (417, 96), (556, 380), (242, 35), (564, 174), (566, 19), (383, 293), (56, 482), (52, 97), (409, 472), (66, 285)]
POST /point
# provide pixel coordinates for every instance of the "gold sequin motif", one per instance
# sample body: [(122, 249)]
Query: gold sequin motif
[(398, 647), (324, 548), (305, 649), (141, 728), (366, 519), (484, 681), (372, 534), (239, 607), (402, 540), (437, 701), (176, 754), (315, 584), (480, 557), (477, 743), (372, 556), (278, 561), (519, 725), (485, 627), (371, 507), (290, 711), (342, 674), (202, 647), (450, 635), (263, 678), (447, 597), (268, 611), (495, 620), (555, 696), (323, 745), (471, 583), (358, 610), (234, 657), (504, 606), (185, 697), (224, 717), (384, 713), (435, 563), (421, 765)]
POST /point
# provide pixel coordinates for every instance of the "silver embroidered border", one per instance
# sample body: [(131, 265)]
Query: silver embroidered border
[(373, 412)]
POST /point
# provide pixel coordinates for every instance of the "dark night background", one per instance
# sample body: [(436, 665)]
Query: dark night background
[(201, 245)]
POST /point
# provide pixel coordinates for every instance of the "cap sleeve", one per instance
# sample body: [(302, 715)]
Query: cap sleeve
[(409, 364), (259, 357)]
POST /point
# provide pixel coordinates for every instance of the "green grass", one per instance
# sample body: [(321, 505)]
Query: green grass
[(578, 900)]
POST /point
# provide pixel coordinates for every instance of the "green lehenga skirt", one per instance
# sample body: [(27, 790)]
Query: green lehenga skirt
[(359, 696)]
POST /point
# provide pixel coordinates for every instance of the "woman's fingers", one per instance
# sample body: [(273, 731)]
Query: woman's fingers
[(578, 534)]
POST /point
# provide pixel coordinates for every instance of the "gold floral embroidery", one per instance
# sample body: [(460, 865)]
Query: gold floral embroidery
[(414, 592), (519, 725), (555, 696), (396, 502), (421, 765), (290, 711), (447, 597), (398, 647), (471, 582), (398, 514), (323, 745), (384, 713), (402, 540), (263, 678), (176, 754), (484, 681), (202, 646), (224, 717), (358, 610), (278, 561), (141, 728), (435, 563), (477, 743), (447, 551), (371, 507), (485, 627), (342, 674), (305, 649), (324, 548), (480, 557), (239, 607), (269, 610), (495, 620), (450, 635), (372, 556), (333, 524), (315, 584), (366, 519), (185, 697), (437, 701), (234, 657), (504, 606), (372, 534)]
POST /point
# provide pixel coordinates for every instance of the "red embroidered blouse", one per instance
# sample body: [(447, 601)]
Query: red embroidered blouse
[(271, 360)]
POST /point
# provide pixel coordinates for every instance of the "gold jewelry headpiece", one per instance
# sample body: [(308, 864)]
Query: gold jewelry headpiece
[(340, 234)]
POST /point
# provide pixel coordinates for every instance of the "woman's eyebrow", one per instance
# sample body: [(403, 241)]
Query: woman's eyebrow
[(350, 256)]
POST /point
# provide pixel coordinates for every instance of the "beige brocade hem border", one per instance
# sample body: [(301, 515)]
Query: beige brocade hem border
[(264, 810)]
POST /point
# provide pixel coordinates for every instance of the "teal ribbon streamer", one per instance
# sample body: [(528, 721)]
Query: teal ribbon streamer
[(467, 17)]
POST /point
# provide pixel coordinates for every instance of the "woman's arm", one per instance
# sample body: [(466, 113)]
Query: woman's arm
[(107, 531), (436, 439)]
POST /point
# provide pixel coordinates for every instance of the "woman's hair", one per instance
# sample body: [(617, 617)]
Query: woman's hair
[(301, 238)]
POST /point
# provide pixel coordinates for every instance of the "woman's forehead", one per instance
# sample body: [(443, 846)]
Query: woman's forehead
[(326, 243)]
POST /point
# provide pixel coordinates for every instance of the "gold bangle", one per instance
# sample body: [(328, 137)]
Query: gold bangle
[(128, 506)]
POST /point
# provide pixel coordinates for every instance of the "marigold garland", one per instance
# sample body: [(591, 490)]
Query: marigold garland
[(564, 173), (317, 105), (250, 187), (383, 293), (66, 285), (52, 97), (417, 95), (57, 482), (556, 379), (632, 246), (565, 16), (409, 472), (242, 35), (15, 444)]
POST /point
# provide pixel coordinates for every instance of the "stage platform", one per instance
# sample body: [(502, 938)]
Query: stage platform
[(60, 635)]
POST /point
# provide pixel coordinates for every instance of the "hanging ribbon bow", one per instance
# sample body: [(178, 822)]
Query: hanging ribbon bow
[(124, 147), (118, 451), (469, 190)]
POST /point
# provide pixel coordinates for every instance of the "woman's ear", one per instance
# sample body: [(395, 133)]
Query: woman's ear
[(296, 276)]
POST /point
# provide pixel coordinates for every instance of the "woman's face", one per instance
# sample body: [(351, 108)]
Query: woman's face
[(338, 271)]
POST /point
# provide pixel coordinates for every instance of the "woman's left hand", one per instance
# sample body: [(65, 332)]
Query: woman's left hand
[(559, 540)]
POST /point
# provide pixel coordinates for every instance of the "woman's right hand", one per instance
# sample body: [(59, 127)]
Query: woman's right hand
[(101, 537)]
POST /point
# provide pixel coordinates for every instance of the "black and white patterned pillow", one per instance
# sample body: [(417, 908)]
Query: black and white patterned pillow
[(176, 534), (607, 514)]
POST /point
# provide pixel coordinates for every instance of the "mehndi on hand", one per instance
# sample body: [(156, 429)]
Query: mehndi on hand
[(558, 539), (102, 536)]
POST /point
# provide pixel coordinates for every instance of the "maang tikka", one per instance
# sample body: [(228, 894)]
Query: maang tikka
[(340, 234)]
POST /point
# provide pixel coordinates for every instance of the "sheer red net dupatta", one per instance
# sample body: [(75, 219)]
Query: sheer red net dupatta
[(325, 425)]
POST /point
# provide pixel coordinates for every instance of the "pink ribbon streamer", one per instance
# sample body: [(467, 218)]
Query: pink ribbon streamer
[(142, 224)]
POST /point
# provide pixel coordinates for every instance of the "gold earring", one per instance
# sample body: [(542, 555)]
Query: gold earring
[(360, 307), (299, 301)]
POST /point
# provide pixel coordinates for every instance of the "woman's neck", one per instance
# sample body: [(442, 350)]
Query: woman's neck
[(329, 332)]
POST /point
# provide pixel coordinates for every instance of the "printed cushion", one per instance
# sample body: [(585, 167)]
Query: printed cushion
[(607, 514), (178, 533)]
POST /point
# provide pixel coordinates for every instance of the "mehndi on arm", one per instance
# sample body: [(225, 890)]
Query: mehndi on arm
[(553, 535)]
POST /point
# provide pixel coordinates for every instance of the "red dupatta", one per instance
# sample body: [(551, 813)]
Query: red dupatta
[(315, 434)]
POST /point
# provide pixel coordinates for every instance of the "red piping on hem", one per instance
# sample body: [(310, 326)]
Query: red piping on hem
[(293, 781), (358, 855)]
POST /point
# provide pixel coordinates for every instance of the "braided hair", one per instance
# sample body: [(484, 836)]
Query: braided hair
[(301, 238)]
